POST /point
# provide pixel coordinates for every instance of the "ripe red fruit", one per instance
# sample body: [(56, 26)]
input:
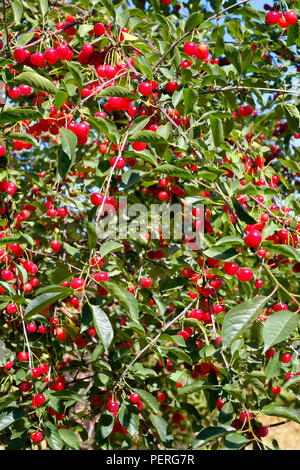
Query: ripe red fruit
[(96, 199), (134, 398), (78, 283), (272, 17), (37, 59), (145, 88), (99, 29), (291, 17), (246, 110), (286, 358), (2, 150), (38, 400), (55, 245), (36, 436), (171, 87), (51, 55), (276, 390), (261, 431), (146, 282), (244, 274), (23, 356), (139, 146), (25, 386), (258, 283), (253, 238), (190, 48), (231, 268), (202, 52), (20, 55)]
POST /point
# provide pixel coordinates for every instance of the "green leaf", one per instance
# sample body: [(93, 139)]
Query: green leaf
[(194, 20), (109, 247), (190, 98), (68, 395), (292, 382), (60, 98), (63, 163), (39, 303), (22, 137), (221, 252), (116, 91), (273, 367), (69, 143), (77, 75), (70, 438), (173, 171), (149, 400), (233, 54), (104, 427), (292, 116), (217, 131), (19, 114), (10, 416), (37, 81), (163, 429), (129, 418), (92, 234), (23, 239), (278, 327), (17, 8), (107, 127), (44, 6), (242, 214), (281, 411), (125, 298), (138, 124), (147, 136), (110, 7), (286, 250), (239, 318), (211, 433), (195, 387), (52, 435), (102, 325)]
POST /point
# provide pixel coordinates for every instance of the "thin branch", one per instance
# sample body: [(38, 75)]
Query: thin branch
[(188, 33), (152, 343)]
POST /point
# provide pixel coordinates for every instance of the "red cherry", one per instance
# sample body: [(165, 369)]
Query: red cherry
[(51, 55), (231, 268), (146, 282), (78, 283), (171, 87), (273, 17), (99, 29), (2, 150), (20, 55), (139, 146), (286, 358), (37, 59), (202, 52), (36, 436), (245, 111), (276, 390), (38, 400), (25, 386), (55, 245), (258, 283), (190, 48), (253, 238), (145, 88), (96, 199), (261, 431), (244, 274), (291, 17), (23, 356), (134, 398)]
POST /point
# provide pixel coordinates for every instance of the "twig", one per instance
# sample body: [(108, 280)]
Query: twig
[(151, 344)]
